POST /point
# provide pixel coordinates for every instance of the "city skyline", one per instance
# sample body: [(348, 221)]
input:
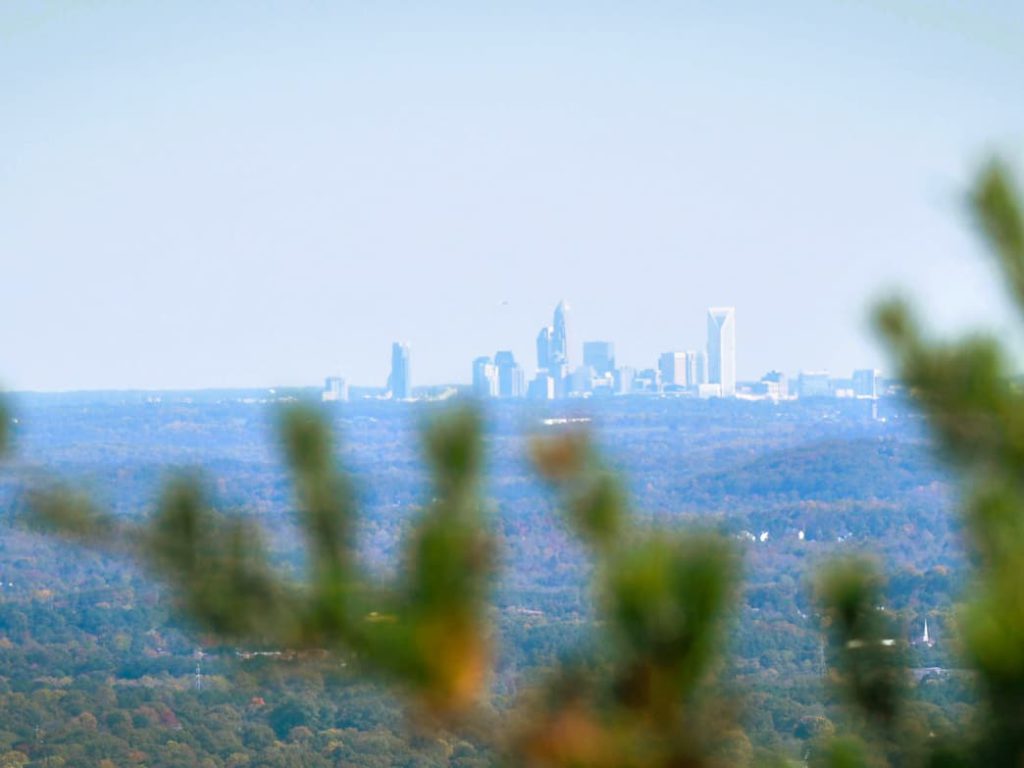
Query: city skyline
[(311, 169), (704, 373), (562, 385)]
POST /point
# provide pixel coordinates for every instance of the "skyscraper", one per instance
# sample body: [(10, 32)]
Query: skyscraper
[(511, 379), (672, 366), (624, 380), (865, 382), (814, 384), (553, 349), (775, 384), (335, 389), (542, 387), (544, 348), (559, 354), (599, 355), (582, 380), (485, 378), (696, 368), (722, 349), (400, 380)]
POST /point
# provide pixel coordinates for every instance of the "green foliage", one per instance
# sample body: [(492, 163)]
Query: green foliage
[(645, 698), (663, 600), (427, 631), (868, 659), (997, 210), (643, 692), (976, 411)]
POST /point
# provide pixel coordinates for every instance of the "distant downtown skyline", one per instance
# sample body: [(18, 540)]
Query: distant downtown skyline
[(559, 373)]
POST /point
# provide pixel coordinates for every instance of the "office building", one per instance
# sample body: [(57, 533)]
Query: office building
[(560, 374), (774, 384), (560, 339), (544, 348), (542, 387), (485, 378), (672, 366), (623, 381), (553, 349), (647, 380), (511, 378), (696, 368), (722, 349), (865, 382), (582, 380), (400, 380), (814, 384), (335, 390), (599, 355)]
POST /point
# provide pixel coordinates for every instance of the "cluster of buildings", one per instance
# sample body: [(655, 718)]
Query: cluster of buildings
[(704, 373), (709, 372), (399, 380)]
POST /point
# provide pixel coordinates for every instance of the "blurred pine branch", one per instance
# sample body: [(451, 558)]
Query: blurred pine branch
[(664, 597)]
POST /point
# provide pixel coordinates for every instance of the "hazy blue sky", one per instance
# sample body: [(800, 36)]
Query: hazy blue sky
[(217, 194)]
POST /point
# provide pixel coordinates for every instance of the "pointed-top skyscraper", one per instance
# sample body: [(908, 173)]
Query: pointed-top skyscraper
[(560, 336), (553, 349)]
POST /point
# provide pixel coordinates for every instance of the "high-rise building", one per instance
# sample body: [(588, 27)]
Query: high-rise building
[(775, 384), (485, 378), (672, 366), (647, 380), (582, 380), (400, 380), (517, 383), (511, 379), (865, 382), (623, 383), (814, 384), (542, 387), (722, 349), (335, 389), (560, 374), (599, 355), (544, 348), (696, 368), (553, 349), (560, 340)]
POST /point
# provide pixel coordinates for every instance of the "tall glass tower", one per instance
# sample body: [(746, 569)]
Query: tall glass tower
[(485, 378), (544, 348), (511, 379), (722, 349), (400, 380), (560, 336)]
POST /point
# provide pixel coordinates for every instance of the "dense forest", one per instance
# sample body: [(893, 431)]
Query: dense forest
[(94, 667)]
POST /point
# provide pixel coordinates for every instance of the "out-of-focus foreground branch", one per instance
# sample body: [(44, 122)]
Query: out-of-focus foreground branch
[(646, 697)]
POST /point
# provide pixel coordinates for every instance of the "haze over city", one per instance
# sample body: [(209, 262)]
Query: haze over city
[(195, 196), (456, 385)]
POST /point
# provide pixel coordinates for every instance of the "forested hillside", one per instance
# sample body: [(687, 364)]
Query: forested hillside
[(92, 666)]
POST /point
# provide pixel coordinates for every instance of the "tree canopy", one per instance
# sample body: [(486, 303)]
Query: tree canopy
[(643, 691)]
